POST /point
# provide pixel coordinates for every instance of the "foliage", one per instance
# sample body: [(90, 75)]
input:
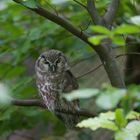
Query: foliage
[(116, 34), (24, 35), (119, 121)]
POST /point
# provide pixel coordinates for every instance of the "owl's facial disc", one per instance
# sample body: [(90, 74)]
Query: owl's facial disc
[(52, 66)]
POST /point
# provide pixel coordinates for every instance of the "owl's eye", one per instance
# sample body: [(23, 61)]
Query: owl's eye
[(46, 62)]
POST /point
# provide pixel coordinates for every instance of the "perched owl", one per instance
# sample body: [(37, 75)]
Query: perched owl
[(53, 80)]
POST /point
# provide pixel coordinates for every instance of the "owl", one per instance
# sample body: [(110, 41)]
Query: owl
[(54, 79)]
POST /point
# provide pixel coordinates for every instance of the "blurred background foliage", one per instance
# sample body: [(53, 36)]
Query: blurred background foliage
[(24, 35)]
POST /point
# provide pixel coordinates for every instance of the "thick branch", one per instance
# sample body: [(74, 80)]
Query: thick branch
[(93, 12), (111, 12), (39, 103)]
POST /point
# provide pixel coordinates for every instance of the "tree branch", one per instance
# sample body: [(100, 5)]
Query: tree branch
[(93, 12), (60, 21), (107, 59), (82, 5), (97, 67), (111, 12), (39, 103)]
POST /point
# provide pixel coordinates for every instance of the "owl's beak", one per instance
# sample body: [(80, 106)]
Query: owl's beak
[(53, 68)]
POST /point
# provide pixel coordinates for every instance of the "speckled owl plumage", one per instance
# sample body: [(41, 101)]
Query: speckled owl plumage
[(54, 79)]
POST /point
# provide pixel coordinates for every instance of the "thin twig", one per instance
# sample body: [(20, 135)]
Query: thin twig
[(39, 103), (83, 29), (80, 3), (54, 8), (94, 69), (80, 60), (90, 71)]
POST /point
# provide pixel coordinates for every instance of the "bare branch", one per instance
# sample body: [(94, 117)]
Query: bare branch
[(80, 3), (85, 28), (111, 12), (90, 71), (39, 103), (93, 12), (94, 69)]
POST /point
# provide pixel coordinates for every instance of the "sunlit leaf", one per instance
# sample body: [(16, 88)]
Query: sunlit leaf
[(96, 40), (5, 97), (110, 98), (130, 132), (133, 127), (118, 40), (135, 20), (103, 121), (122, 135), (126, 29), (120, 118), (82, 93), (100, 29), (133, 115)]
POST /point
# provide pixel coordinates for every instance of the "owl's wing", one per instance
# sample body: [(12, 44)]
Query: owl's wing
[(70, 82)]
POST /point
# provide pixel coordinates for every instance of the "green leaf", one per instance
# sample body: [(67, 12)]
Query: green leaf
[(135, 20), (121, 135), (133, 127), (5, 97), (34, 34), (118, 40), (103, 121), (132, 115), (15, 71), (100, 29), (120, 118), (29, 3), (82, 93), (110, 97), (130, 132), (96, 40), (126, 29)]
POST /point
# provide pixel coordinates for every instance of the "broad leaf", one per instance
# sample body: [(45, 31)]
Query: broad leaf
[(5, 97), (126, 29), (83, 93), (100, 29), (135, 20), (118, 40), (133, 115), (103, 121), (110, 98), (131, 131), (96, 40)]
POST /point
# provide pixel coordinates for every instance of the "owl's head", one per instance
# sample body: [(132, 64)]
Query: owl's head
[(52, 61)]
